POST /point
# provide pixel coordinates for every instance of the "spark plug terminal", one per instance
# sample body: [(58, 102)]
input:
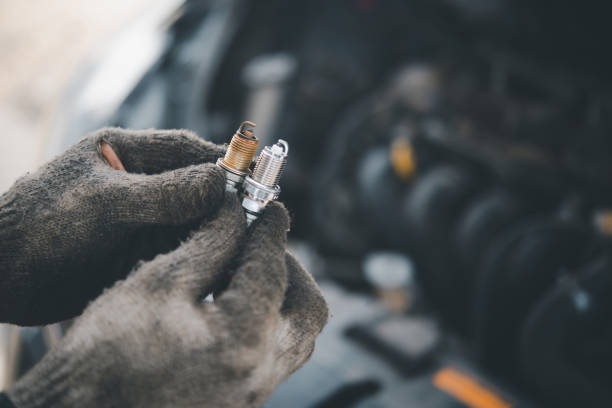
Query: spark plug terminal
[(239, 156), (262, 186)]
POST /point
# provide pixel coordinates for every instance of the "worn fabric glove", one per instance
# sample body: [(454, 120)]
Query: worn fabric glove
[(150, 341), (77, 224)]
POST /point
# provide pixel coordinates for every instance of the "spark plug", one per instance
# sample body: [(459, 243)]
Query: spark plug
[(239, 156), (262, 186)]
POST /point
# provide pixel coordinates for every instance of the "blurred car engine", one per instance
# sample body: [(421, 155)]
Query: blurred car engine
[(449, 181)]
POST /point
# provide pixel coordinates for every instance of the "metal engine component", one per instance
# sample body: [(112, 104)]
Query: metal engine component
[(239, 156), (266, 77), (262, 187)]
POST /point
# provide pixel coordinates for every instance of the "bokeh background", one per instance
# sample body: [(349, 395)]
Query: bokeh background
[(449, 173), (42, 45)]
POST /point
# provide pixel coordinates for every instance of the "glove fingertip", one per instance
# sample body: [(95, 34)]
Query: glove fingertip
[(215, 174), (270, 229), (213, 179), (275, 217), (232, 208)]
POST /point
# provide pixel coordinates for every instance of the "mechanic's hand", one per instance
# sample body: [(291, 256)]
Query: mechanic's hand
[(150, 341), (77, 224)]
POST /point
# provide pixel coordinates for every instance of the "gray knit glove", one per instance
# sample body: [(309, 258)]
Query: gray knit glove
[(150, 341), (77, 224)]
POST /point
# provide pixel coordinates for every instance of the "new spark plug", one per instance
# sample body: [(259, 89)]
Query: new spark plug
[(239, 156), (262, 186)]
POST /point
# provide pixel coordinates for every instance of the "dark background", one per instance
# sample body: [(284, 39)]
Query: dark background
[(449, 179)]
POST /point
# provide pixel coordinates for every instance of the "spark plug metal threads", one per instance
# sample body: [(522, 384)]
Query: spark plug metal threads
[(262, 187), (239, 156)]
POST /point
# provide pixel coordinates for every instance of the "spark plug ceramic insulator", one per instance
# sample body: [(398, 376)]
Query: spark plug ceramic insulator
[(239, 156), (262, 186)]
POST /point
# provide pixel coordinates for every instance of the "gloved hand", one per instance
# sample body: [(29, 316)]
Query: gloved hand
[(76, 225), (150, 341)]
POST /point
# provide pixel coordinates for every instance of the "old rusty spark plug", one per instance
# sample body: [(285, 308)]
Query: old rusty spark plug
[(239, 156)]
